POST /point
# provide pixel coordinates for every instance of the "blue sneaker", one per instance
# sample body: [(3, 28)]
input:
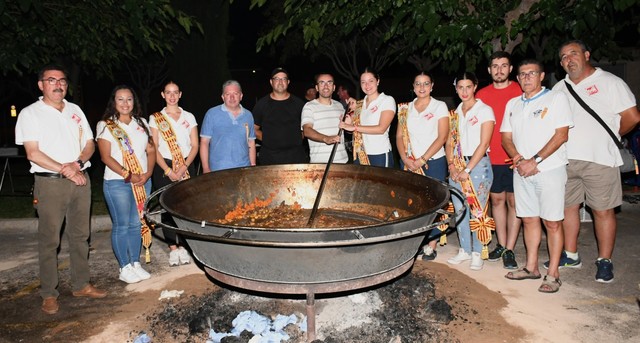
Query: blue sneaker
[(605, 270), (566, 262)]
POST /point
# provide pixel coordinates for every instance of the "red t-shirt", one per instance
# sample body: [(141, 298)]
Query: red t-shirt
[(497, 99)]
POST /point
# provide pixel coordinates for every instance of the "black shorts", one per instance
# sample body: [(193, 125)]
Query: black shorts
[(502, 178)]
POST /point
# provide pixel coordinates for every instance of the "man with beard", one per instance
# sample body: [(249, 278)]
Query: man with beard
[(59, 143), (534, 134), (277, 123), (320, 119), (593, 174), (503, 207)]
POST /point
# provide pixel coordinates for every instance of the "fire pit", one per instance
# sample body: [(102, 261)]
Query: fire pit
[(400, 206)]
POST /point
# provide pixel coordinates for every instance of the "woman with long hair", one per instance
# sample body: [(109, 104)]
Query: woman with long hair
[(127, 150), (370, 123), (175, 135), (423, 128), (471, 127)]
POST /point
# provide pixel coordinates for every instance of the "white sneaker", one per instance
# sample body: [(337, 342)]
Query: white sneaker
[(183, 254), (476, 261), (142, 274), (174, 258), (461, 257), (128, 274)]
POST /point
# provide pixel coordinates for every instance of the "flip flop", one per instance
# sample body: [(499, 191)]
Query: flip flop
[(550, 286), (522, 274)]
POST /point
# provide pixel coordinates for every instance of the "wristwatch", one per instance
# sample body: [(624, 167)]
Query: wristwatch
[(467, 170), (537, 158), (80, 163)]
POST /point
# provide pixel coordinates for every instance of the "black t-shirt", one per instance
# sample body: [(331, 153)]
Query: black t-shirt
[(279, 121)]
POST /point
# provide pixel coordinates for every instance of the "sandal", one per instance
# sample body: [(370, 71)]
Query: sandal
[(522, 274), (550, 286)]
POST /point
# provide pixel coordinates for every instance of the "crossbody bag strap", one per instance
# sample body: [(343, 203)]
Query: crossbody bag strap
[(594, 114)]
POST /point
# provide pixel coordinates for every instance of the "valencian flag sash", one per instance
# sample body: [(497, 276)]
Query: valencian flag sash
[(130, 161), (403, 113), (358, 144), (480, 222), (169, 136)]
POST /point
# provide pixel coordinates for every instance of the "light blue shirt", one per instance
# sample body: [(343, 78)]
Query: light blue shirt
[(229, 137)]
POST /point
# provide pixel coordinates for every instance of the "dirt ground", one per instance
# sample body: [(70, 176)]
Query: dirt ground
[(485, 307), (131, 309)]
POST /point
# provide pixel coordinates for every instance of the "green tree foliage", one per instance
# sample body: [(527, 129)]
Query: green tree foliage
[(99, 35), (457, 33)]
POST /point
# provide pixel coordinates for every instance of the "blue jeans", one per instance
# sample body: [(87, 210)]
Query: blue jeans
[(382, 160), (125, 231), (481, 177)]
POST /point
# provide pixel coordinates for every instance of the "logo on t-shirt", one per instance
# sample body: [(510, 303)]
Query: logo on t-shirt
[(429, 116), (75, 118), (473, 120), (591, 90), (185, 124), (374, 109)]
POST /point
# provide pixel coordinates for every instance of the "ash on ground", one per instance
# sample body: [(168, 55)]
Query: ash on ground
[(404, 310)]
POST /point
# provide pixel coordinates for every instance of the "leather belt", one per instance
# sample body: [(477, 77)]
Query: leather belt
[(51, 175)]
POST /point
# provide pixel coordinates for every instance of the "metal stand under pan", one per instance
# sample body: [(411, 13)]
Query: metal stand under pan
[(310, 290)]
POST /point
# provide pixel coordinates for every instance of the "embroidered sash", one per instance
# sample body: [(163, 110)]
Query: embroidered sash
[(480, 222), (169, 136), (403, 111), (358, 143), (130, 161)]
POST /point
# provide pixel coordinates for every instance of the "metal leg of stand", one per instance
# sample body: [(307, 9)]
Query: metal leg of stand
[(6, 168)]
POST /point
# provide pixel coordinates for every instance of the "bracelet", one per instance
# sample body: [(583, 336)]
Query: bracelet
[(424, 161), (167, 171), (126, 175)]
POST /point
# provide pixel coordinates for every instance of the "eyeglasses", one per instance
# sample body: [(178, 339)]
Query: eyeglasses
[(418, 84), (53, 81), (322, 83), (280, 79), (530, 74)]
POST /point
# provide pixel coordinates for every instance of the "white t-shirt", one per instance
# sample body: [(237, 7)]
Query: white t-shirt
[(138, 140), (181, 128), (607, 95), (423, 126), (469, 126), (370, 116), (57, 133), (534, 121), (324, 119)]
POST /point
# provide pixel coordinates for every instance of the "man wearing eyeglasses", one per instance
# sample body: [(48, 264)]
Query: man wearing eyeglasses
[(320, 120), (503, 207), (277, 123), (593, 173), (534, 132), (59, 143)]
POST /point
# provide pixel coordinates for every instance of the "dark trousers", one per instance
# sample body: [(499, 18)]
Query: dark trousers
[(58, 201), (159, 180)]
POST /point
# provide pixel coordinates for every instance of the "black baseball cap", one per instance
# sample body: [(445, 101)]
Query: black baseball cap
[(279, 70)]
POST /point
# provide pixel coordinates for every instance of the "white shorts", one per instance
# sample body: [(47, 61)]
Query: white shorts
[(541, 195)]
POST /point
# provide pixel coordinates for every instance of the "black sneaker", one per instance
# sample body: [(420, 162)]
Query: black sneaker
[(429, 257), (605, 270), (509, 260), (496, 254)]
